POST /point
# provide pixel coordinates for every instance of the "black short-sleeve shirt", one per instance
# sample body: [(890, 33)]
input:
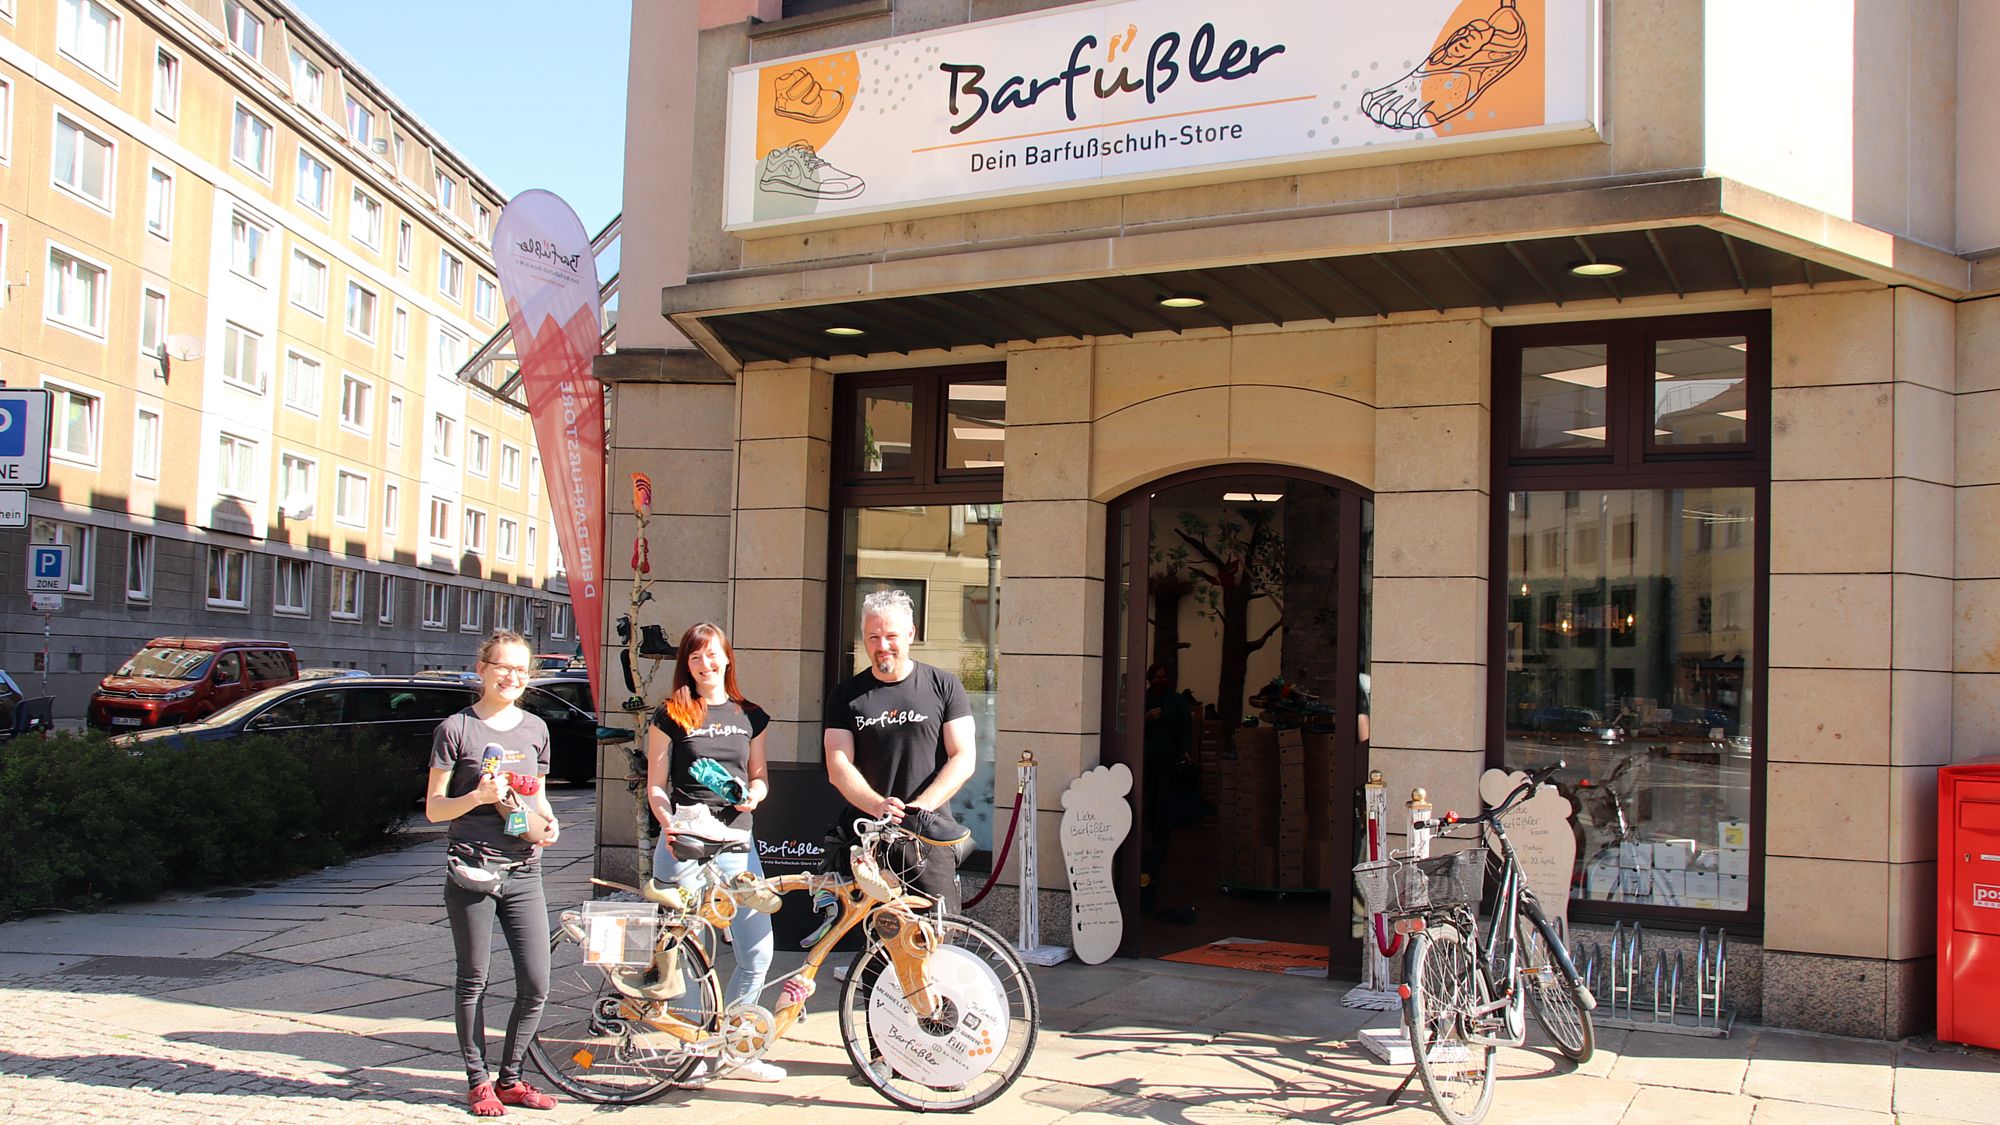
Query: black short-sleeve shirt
[(459, 744), (898, 728), (724, 735)]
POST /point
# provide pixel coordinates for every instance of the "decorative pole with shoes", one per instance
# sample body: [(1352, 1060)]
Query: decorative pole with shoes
[(640, 641)]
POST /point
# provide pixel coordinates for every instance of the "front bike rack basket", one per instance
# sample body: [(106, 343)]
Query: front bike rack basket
[(1652, 990)]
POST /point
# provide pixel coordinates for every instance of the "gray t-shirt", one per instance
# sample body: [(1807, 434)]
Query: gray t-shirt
[(460, 745)]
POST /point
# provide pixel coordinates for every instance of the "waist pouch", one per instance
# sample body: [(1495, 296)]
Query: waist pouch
[(472, 868)]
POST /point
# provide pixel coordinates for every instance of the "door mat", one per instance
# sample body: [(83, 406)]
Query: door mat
[(1257, 955)]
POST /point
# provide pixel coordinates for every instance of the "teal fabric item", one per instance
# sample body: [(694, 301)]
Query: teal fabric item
[(710, 773)]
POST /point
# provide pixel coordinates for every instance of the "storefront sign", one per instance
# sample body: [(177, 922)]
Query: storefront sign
[(1112, 93), (1543, 841), (1096, 819)]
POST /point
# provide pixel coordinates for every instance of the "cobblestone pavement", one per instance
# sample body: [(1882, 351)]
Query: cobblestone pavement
[(326, 998)]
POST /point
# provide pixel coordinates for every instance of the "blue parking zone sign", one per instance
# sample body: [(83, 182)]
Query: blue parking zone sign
[(24, 437), (48, 568), (13, 428)]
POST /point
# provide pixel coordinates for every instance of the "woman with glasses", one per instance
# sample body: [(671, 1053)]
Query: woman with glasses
[(705, 774), (488, 764)]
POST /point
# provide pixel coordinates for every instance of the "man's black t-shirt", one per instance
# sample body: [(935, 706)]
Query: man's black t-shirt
[(724, 735), (898, 728)]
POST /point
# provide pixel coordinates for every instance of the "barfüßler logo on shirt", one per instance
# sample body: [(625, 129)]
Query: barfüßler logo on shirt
[(718, 730), (890, 719)]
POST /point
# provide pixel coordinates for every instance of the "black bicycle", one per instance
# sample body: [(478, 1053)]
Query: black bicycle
[(1461, 997)]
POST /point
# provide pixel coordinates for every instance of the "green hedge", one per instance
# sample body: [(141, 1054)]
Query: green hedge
[(86, 822)]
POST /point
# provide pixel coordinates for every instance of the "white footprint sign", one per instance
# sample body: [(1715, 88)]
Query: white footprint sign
[(1096, 819), (1539, 829)]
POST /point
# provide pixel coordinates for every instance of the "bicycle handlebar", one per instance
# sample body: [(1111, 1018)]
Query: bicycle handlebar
[(1528, 787)]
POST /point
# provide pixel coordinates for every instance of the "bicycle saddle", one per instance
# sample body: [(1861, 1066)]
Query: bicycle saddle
[(690, 848)]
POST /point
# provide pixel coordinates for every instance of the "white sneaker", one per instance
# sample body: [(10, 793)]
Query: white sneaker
[(756, 1070), (699, 820)]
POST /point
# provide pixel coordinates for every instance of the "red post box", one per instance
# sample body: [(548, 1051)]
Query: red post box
[(1968, 930)]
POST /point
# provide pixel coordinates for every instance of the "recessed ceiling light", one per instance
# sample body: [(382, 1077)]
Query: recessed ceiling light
[(1594, 377), (1603, 267), (1183, 301), (1253, 497), (845, 330)]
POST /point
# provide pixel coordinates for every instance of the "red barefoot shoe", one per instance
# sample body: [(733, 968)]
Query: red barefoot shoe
[(484, 1102), (525, 1096)]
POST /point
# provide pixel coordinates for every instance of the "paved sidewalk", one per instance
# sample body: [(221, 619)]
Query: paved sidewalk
[(327, 998)]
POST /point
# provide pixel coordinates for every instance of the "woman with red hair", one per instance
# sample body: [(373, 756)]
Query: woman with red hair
[(705, 775)]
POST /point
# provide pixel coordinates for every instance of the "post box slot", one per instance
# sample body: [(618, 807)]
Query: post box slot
[(1980, 816)]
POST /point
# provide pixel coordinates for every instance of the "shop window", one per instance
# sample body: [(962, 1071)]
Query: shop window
[(1631, 643)]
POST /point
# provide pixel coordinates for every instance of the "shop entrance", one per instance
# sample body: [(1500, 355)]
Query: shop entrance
[(1238, 622)]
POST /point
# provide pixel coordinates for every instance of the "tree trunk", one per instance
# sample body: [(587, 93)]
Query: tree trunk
[(1311, 656), (1236, 597)]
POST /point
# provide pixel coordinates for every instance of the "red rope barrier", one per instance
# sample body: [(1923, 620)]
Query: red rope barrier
[(1000, 860)]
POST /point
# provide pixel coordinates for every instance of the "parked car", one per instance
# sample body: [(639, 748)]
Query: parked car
[(181, 679), (404, 709), (330, 673), (572, 688), (546, 662)]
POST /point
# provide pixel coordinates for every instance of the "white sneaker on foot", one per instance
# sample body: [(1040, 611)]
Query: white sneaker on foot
[(756, 1070)]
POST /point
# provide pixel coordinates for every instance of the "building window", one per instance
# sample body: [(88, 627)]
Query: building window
[(228, 578), (159, 203), (508, 538), (357, 402), (503, 612), (395, 420), (478, 451), (360, 122), (450, 352), (146, 444), (308, 283), (445, 189), (443, 434), (391, 510), (475, 531), (315, 187), (236, 466), (483, 222), (250, 142), (364, 220), (533, 557), (82, 162), (399, 332), (291, 587), (246, 246), (343, 601), (561, 621), (385, 599), (534, 479), (485, 299), (75, 423), (303, 378), (6, 120), (440, 524), (434, 605), (241, 363), (451, 275), (77, 289), (360, 310), (245, 30), (82, 543), (88, 33), (166, 83), (510, 465), (298, 485), (1628, 493), (406, 241), (152, 323), (471, 609), (138, 568), (350, 498), (308, 81)]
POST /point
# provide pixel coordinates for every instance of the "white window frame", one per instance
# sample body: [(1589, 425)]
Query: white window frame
[(444, 435), (357, 403), (534, 480), (392, 502), (236, 454), (146, 462), (159, 202), (313, 77), (449, 352), (299, 585), (239, 23), (93, 326), (323, 206), (105, 68), (437, 603), (482, 221), (238, 135), (303, 266), (60, 393), (399, 332), (360, 121), (471, 609), (478, 452), (167, 91), (248, 241), (440, 517), (385, 599), (151, 296), (444, 189), (532, 557), (233, 332), (216, 593), (292, 393), (341, 514), (374, 302), (139, 567), (485, 298), (506, 538), (394, 422), (451, 275), (308, 467), (510, 464), (84, 134), (368, 210), (561, 618), (475, 530), (351, 578), (6, 120), (406, 242), (82, 541)]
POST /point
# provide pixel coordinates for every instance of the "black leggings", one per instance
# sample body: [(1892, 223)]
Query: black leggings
[(524, 918)]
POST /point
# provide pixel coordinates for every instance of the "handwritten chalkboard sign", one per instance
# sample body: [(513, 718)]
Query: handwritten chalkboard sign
[(1543, 841), (1096, 819)]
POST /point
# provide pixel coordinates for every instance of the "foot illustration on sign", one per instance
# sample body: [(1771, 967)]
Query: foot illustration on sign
[(1096, 819), (1463, 66)]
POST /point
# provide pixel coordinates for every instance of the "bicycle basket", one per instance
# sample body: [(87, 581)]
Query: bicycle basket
[(1393, 886)]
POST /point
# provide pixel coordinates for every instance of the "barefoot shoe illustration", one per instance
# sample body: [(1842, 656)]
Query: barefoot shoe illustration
[(800, 97), (1454, 75), (1096, 819), (797, 170)]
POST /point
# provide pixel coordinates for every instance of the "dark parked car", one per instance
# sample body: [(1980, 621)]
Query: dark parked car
[(404, 709), (572, 688)]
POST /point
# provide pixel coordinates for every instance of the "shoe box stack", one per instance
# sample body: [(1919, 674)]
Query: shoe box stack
[(1280, 818), (1253, 825), (1218, 772), (1319, 810)]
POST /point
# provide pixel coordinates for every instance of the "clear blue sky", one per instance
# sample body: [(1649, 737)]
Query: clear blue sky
[(531, 92)]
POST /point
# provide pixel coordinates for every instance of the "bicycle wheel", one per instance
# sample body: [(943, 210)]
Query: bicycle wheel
[(973, 1045), (1446, 989), (592, 1044), (1556, 1001)]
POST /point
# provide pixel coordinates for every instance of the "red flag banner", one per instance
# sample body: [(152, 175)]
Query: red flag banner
[(548, 275)]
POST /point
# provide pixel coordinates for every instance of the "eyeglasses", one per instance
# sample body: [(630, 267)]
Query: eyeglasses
[(513, 670)]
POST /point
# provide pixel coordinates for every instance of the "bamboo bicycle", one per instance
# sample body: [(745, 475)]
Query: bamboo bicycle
[(936, 1013), (1461, 999)]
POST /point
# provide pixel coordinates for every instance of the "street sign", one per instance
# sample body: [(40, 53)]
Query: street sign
[(46, 603), (48, 568), (13, 508), (24, 437)]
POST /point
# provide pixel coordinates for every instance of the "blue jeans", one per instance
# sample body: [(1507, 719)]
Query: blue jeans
[(749, 931)]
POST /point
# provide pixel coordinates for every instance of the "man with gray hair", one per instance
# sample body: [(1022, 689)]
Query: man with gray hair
[(899, 740)]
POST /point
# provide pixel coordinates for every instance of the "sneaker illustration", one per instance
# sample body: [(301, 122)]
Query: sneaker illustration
[(1454, 75), (800, 97), (797, 170)]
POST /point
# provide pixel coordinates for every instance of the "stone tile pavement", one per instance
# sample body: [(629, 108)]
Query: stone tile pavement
[(326, 998)]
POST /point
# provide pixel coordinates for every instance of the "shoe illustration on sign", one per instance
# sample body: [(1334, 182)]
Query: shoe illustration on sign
[(1465, 65), (800, 97), (797, 169)]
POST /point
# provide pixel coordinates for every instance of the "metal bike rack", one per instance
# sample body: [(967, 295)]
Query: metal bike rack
[(1652, 991)]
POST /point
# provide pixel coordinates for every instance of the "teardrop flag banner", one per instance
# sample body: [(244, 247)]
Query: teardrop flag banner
[(548, 276)]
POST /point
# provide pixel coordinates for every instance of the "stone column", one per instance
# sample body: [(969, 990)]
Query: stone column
[(1860, 657), (1976, 664), (1433, 511)]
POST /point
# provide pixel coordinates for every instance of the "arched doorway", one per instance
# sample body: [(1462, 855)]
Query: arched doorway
[(1237, 626)]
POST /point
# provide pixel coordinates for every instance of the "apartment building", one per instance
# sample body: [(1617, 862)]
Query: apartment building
[(250, 277)]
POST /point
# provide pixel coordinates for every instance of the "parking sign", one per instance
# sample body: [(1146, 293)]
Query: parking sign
[(24, 437), (48, 568)]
